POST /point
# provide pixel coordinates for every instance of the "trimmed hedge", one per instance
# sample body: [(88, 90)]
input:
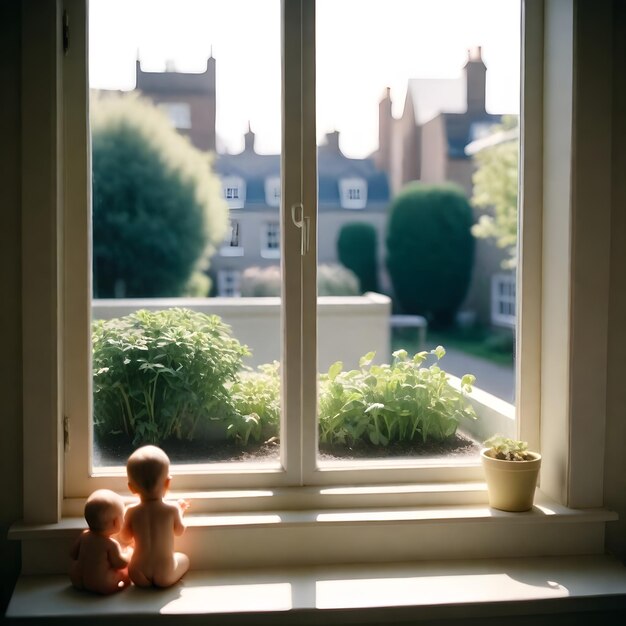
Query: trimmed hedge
[(356, 249), (430, 250)]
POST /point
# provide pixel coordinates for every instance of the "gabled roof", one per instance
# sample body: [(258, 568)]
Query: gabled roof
[(431, 96)]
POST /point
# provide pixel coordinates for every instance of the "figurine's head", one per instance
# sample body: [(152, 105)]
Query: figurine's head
[(148, 472), (104, 512)]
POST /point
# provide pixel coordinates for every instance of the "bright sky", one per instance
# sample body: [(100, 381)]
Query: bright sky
[(363, 46)]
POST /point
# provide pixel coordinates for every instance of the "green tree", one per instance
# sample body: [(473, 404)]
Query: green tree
[(495, 190), (157, 206), (356, 249), (430, 250)]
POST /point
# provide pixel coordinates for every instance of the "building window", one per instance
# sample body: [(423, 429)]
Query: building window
[(503, 288), (272, 191), (270, 240), (229, 283), (179, 113), (232, 245), (234, 189), (353, 193)]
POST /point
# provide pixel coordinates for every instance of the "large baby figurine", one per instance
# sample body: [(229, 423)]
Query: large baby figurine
[(153, 523), (98, 563)]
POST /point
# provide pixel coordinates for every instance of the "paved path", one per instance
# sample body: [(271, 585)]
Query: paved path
[(498, 380)]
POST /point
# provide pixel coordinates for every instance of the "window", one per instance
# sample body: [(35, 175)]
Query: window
[(353, 193), (234, 191), (272, 191), (503, 300), (232, 245), (229, 283), (270, 240), (179, 114)]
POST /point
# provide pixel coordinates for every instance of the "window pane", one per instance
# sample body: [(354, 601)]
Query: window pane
[(186, 135), (417, 119)]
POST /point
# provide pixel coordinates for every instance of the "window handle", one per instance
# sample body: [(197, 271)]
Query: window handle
[(304, 224)]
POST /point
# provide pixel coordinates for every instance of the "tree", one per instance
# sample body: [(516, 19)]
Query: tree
[(430, 250), (356, 249), (157, 206), (495, 190)]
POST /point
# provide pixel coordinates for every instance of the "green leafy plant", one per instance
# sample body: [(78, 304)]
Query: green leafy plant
[(256, 398), (507, 449), (162, 374), (403, 402)]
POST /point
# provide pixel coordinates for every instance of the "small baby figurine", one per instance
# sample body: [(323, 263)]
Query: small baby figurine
[(98, 563), (153, 523)]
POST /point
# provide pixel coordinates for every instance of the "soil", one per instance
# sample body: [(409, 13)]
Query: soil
[(113, 451)]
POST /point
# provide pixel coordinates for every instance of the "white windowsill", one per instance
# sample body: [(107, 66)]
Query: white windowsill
[(342, 594)]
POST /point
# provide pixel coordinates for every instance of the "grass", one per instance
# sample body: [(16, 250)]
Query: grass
[(485, 343)]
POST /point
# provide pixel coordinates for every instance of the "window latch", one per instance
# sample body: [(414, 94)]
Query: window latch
[(304, 224)]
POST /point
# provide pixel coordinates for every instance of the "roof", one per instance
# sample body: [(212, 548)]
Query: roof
[(332, 166), (431, 96), (493, 139), (462, 129)]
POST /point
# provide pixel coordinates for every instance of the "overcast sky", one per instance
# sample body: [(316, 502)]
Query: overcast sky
[(363, 46)]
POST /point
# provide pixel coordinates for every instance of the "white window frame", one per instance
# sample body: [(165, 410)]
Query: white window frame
[(228, 249), (272, 191), (229, 283), (353, 193), (564, 381), (234, 190), (270, 233)]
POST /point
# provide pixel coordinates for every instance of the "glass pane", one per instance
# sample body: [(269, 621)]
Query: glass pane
[(186, 135), (417, 115)]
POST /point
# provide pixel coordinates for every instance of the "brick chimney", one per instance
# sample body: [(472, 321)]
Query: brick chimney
[(475, 74), (249, 140), (385, 121)]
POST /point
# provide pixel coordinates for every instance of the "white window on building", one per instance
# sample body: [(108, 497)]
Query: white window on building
[(179, 113), (234, 189), (270, 240), (353, 193), (272, 191), (229, 283), (232, 245), (503, 300)]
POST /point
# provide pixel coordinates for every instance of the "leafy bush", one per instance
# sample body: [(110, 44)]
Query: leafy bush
[(430, 250), (356, 249), (256, 398), (157, 207), (162, 374), (384, 403), (332, 280)]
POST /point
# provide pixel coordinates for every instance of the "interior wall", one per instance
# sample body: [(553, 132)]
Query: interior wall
[(10, 312), (615, 473)]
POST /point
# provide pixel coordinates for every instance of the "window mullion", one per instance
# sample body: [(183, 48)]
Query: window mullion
[(309, 266), (291, 259)]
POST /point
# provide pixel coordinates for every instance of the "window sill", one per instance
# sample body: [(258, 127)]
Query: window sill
[(326, 536), (369, 593)]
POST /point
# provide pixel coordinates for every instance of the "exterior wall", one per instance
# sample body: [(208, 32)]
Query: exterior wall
[(433, 150), (404, 150), (349, 327)]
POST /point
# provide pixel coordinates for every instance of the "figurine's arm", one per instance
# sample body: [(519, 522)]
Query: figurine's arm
[(116, 558), (126, 534)]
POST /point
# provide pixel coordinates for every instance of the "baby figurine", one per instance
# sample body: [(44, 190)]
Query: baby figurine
[(98, 562), (153, 522)]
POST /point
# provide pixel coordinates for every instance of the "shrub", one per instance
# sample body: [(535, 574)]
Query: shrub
[(157, 207), (332, 280), (356, 249), (430, 250), (399, 402), (162, 374)]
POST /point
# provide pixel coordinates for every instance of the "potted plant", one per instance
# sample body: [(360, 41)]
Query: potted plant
[(511, 471)]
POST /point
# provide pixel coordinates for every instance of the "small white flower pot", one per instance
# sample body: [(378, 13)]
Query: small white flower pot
[(511, 484)]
